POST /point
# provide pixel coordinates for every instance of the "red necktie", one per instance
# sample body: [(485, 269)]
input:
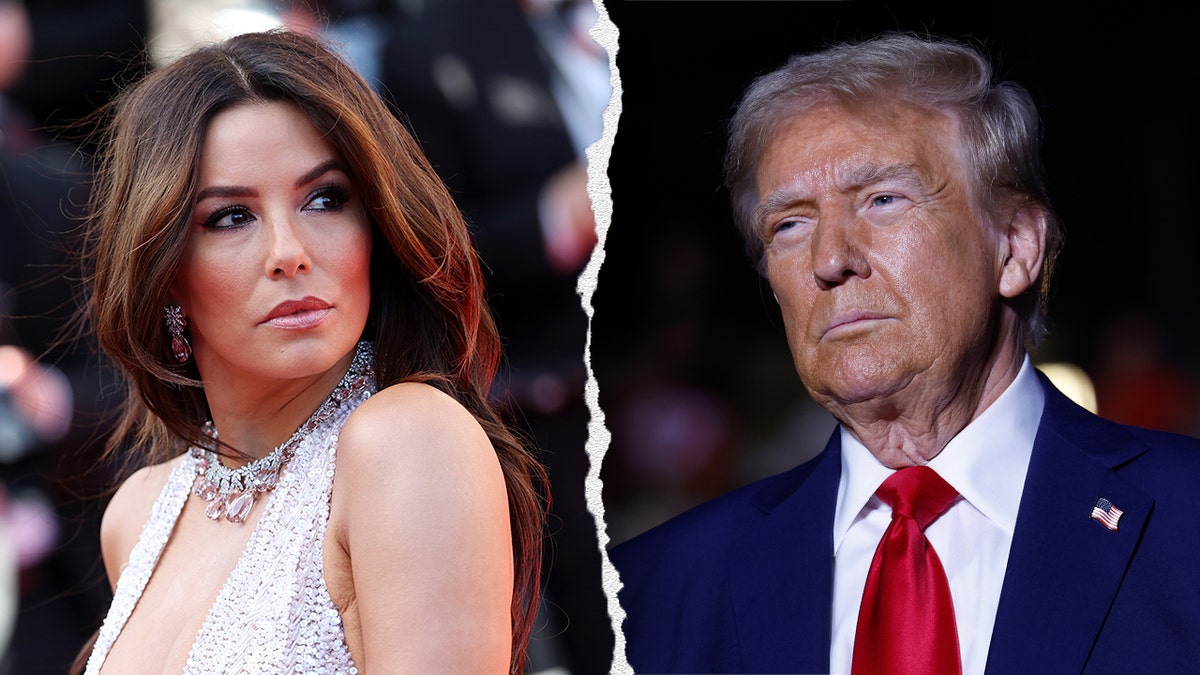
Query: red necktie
[(906, 622)]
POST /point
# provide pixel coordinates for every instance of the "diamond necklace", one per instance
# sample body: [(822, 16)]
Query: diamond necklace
[(231, 492)]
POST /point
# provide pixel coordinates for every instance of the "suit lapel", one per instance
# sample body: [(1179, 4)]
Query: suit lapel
[(781, 576), (1065, 568)]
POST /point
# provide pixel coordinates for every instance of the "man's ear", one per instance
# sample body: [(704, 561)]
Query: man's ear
[(1025, 243)]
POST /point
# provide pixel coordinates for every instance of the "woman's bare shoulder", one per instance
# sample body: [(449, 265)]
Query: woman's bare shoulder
[(420, 506), (412, 441), (413, 422)]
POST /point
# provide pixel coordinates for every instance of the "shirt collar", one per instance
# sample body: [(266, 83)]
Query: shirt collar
[(986, 461)]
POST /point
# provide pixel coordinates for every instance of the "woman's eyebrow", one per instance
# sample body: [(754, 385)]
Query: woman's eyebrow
[(224, 191), (239, 191), (318, 171)]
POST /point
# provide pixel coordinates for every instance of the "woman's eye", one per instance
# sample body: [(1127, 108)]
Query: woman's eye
[(327, 199), (234, 216)]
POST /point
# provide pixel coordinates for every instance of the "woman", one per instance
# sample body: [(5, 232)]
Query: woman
[(274, 264)]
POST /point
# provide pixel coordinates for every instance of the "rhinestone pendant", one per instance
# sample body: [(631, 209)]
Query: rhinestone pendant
[(215, 509), (238, 505), (181, 349), (207, 492)]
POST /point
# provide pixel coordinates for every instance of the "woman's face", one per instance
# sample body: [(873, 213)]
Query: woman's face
[(274, 279)]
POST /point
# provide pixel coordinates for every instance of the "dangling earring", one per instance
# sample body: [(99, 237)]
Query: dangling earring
[(179, 342)]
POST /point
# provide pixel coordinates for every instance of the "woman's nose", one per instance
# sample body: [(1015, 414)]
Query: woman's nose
[(287, 254)]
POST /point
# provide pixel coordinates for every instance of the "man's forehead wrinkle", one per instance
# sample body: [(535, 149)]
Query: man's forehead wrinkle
[(858, 177), (856, 171), (806, 183)]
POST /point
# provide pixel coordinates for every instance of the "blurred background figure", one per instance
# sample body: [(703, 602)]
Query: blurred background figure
[(1139, 383), (178, 26), (48, 387), (504, 97)]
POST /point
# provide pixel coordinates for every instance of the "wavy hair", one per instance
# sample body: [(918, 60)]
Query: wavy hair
[(428, 317)]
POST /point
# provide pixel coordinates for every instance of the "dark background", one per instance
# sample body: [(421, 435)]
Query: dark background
[(687, 346)]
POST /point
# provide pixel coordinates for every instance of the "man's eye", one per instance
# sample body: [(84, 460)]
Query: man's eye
[(788, 231), (883, 200)]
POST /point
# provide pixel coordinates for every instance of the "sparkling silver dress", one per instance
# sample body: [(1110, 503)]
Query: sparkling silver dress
[(274, 613)]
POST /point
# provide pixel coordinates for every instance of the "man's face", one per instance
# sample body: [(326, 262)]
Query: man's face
[(886, 275)]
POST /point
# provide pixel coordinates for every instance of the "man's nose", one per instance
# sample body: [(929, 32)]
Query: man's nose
[(838, 249)]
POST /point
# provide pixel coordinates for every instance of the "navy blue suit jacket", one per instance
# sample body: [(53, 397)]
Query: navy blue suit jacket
[(743, 583)]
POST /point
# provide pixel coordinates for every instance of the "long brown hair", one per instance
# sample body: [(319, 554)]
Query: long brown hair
[(429, 319)]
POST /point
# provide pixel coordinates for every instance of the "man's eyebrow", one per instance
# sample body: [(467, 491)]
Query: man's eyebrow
[(848, 179), (778, 200), (859, 177)]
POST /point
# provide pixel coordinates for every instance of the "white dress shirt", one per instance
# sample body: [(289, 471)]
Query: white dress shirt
[(986, 462)]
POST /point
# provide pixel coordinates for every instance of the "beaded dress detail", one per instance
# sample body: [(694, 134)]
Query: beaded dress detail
[(274, 613)]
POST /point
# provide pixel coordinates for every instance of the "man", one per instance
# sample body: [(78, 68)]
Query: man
[(892, 195)]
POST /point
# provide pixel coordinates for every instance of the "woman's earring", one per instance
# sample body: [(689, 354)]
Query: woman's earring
[(179, 342)]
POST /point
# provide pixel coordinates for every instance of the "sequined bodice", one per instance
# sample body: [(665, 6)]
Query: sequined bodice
[(274, 613)]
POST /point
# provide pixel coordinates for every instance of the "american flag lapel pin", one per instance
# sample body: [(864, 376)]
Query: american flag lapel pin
[(1106, 513)]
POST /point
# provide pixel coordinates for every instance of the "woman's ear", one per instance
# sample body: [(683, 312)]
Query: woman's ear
[(173, 295), (1025, 239)]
